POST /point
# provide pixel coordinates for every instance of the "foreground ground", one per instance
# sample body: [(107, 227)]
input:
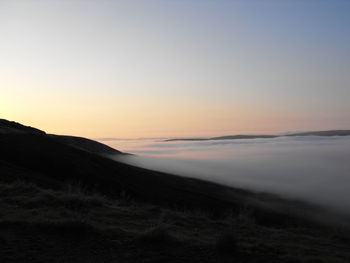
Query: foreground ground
[(41, 225)]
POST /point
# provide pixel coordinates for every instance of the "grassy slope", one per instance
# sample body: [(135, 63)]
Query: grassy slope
[(50, 223), (41, 225), (50, 163)]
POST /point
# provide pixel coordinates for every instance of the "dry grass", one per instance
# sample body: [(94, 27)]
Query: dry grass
[(131, 231)]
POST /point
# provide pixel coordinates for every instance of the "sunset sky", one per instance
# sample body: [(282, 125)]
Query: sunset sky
[(99, 68)]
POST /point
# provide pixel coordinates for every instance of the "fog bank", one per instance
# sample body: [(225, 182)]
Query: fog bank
[(315, 169)]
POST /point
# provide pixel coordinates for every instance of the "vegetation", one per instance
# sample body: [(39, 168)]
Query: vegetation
[(73, 225)]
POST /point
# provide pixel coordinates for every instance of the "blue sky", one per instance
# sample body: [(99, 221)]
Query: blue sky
[(159, 68)]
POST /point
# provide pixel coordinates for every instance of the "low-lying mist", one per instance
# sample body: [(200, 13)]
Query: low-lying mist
[(314, 169)]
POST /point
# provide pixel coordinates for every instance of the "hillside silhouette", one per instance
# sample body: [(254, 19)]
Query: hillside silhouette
[(64, 200)]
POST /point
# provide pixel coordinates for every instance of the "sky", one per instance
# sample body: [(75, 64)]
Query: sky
[(175, 68)]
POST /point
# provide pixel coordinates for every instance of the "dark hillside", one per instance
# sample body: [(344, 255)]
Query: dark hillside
[(15, 127), (51, 162), (72, 225), (63, 200), (85, 144)]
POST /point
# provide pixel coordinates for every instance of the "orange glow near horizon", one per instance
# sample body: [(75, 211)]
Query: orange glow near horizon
[(99, 114), (135, 117), (175, 68)]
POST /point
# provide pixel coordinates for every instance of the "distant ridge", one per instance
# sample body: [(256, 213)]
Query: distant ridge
[(322, 133), (267, 136)]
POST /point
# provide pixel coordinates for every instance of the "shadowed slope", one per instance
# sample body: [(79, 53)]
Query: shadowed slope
[(52, 161), (15, 127), (72, 225), (114, 212), (86, 144)]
